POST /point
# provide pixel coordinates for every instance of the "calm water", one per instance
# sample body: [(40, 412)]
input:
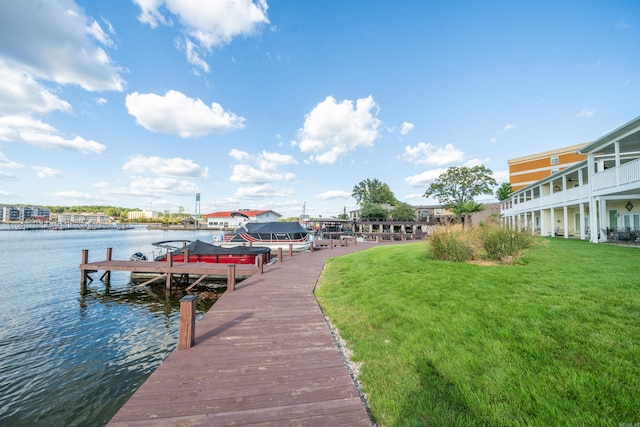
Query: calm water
[(68, 359)]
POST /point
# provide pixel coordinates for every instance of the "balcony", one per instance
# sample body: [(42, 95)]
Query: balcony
[(626, 174)]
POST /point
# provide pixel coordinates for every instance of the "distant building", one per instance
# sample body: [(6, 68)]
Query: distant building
[(22, 213), (143, 215), (524, 171), (81, 218), (232, 219)]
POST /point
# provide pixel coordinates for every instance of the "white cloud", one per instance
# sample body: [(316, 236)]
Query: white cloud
[(101, 101), (269, 161), (406, 128), (21, 93), (193, 55), (334, 195), (476, 162), (501, 176), (425, 178), (508, 127), (154, 187), (586, 113), (208, 24), (246, 174), (413, 196), (165, 167), (175, 113), (46, 172), (31, 131), (267, 170), (262, 192), (6, 163), (30, 31), (75, 195), (6, 176), (241, 156), (333, 129), (428, 154)]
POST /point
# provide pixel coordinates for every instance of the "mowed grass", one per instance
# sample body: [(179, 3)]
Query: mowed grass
[(555, 341)]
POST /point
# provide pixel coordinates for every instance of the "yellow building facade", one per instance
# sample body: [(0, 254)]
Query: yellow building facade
[(524, 171)]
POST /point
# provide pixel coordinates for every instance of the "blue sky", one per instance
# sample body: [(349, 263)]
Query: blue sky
[(283, 104)]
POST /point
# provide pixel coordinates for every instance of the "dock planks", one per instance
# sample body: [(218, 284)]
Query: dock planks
[(264, 355)]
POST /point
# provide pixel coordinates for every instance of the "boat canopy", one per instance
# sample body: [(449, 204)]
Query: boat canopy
[(272, 227), (198, 247)]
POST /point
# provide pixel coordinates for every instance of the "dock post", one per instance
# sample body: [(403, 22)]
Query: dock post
[(290, 249), (310, 246), (279, 254), (186, 256), (83, 273), (331, 243), (106, 277), (260, 260), (231, 278), (187, 334), (167, 284)]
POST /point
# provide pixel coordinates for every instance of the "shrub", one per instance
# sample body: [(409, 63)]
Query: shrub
[(505, 244), (452, 243)]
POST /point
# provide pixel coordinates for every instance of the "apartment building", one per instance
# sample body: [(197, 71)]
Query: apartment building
[(526, 170), (596, 199)]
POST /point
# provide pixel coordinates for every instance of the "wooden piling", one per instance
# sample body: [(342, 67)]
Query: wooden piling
[(106, 276), (167, 284), (290, 249), (279, 254), (187, 334), (260, 260), (231, 278), (83, 272)]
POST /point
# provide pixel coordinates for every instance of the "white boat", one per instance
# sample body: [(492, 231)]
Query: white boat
[(273, 235)]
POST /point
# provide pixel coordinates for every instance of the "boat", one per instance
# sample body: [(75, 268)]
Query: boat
[(200, 251), (274, 235)]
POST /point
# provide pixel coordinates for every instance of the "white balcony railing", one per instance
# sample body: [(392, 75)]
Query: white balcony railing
[(627, 173)]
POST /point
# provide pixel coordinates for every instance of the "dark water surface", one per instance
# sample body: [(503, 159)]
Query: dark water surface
[(68, 359)]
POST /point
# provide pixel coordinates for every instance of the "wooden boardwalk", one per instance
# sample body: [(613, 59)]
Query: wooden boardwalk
[(264, 355)]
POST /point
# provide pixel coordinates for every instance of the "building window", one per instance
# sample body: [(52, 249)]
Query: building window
[(555, 160), (554, 171)]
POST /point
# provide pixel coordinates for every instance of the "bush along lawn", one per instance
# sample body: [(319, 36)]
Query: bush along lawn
[(554, 340)]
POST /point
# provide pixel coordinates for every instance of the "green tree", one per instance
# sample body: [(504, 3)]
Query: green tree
[(373, 191), (403, 212), (504, 191), (457, 187), (373, 211)]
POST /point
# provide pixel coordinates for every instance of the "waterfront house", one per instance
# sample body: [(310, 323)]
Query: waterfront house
[(596, 199)]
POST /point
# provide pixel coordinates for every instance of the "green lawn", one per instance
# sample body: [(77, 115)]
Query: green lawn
[(555, 341)]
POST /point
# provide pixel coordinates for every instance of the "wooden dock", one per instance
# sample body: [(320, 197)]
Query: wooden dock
[(263, 355), (168, 270)]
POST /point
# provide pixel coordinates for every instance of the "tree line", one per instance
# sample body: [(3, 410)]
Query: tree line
[(455, 190)]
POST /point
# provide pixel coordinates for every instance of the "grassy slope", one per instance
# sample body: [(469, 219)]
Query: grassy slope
[(552, 342)]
